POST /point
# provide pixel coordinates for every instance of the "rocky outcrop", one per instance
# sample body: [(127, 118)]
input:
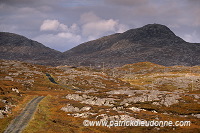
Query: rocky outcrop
[(91, 100), (70, 108)]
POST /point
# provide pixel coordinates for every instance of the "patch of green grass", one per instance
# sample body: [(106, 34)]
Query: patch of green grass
[(40, 118)]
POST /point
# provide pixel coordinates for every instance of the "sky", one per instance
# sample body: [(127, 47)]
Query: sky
[(64, 24)]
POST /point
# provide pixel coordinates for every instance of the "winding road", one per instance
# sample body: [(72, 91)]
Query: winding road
[(20, 122)]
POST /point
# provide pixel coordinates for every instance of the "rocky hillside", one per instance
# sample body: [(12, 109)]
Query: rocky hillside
[(139, 92), (152, 76), (153, 42), (16, 47)]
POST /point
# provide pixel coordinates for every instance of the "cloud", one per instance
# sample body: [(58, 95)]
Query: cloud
[(61, 41), (10, 28), (89, 17), (28, 2), (194, 6), (99, 27), (52, 25), (16, 1), (94, 26), (122, 28), (84, 20), (127, 2), (59, 35), (55, 25), (72, 38), (193, 37), (74, 28), (90, 26)]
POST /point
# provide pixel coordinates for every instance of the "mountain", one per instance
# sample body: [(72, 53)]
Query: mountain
[(17, 47), (153, 43)]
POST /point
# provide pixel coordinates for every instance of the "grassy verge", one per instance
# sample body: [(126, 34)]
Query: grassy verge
[(50, 119), (40, 117), (16, 111)]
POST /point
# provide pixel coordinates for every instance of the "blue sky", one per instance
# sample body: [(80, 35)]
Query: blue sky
[(63, 24)]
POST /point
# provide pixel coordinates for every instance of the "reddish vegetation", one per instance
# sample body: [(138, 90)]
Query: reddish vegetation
[(20, 82)]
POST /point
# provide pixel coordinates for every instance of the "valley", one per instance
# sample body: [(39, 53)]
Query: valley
[(140, 91)]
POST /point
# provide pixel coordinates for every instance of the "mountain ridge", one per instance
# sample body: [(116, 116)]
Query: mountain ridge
[(154, 43), (17, 47)]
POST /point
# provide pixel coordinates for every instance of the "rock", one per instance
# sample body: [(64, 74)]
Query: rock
[(15, 90), (91, 99), (85, 108), (170, 99), (75, 97), (196, 115), (105, 117), (70, 108), (8, 78), (153, 95), (83, 115), (135, 109)]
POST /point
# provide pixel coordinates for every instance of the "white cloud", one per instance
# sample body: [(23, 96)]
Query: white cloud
[(64, 38), (122, 28), (61, 41), (74, 28), (193, 37), (73, 38), (55, 25), (94, 26), (62, 27), (97, 28), (52, 25), (89, 17), (17, 15), (90, 27)]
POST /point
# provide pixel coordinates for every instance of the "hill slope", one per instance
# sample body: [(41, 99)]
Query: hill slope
[(16, 47), (155, 93), (153, 42)]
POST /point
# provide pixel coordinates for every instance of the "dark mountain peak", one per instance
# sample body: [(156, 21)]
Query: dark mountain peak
[(157, 30), (8, 37), (158, 27), (17, 47), (12, 39), (151, 32), (153, 43)]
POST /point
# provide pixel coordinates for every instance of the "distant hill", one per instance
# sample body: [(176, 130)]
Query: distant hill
[(153, 43), (17, 47)]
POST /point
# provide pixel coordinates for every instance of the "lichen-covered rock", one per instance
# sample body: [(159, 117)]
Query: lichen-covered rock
[(70, 108), (91, 100)]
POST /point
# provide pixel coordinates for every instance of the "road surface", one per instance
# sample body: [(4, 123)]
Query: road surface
[(20, 122)]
